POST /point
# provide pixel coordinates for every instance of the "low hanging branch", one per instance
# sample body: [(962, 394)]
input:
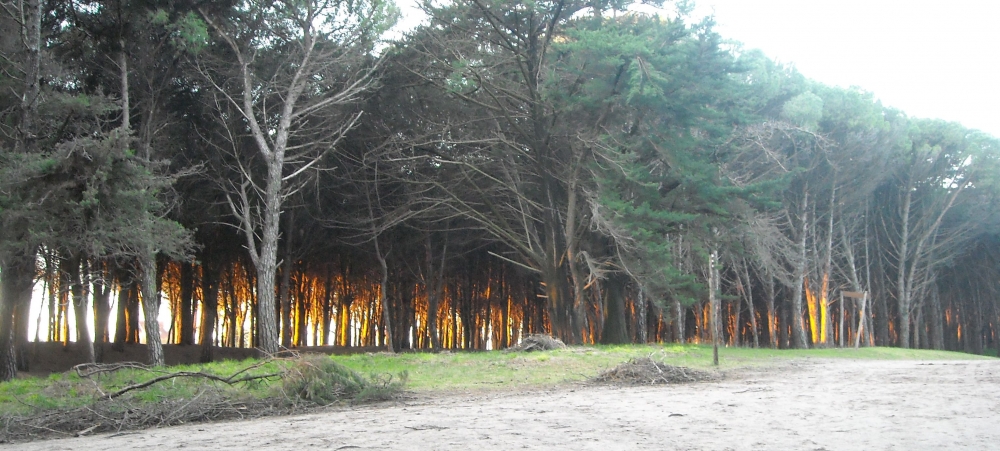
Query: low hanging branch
[(87, 370)]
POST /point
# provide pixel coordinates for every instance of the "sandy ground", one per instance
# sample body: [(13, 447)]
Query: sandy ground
[(803, 405)]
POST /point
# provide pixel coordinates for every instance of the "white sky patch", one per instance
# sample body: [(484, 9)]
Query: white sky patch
[(930, 59)]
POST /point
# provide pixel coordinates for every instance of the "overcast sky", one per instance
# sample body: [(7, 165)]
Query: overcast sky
[(931, 59), (934, 59)]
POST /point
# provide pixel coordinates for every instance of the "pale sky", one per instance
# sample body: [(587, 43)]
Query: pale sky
[(932, 59)]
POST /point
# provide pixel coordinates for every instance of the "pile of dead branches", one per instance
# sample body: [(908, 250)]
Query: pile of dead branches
[(295, 384), (646, 371), (126, 414), (537, 342)]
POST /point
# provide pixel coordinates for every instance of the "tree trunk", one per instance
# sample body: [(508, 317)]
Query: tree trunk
[(843, 320), (937, 318), (881, 316), (102, 313), (266, 262), (976, 323), (679, 314), (748, 298), (301, 316), (384, 298), (713, 300), (827, 326), (209, 307), (80, 307), (121, 319), (16, 284), (328, 295), (22, 312), (435, 287), (798, 328), (772, 316), (902, 291), (862, 316), (151, 308), (187, 306), (284, 289), (641, 307), (614, 331), (578, 318)]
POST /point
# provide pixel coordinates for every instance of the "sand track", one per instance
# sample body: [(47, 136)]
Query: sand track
[(804, 405)]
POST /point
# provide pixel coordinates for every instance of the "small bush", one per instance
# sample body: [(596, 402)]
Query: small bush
[(318, 379)]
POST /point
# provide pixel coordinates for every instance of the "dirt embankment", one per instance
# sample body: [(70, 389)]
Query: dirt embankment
[(808, 405)]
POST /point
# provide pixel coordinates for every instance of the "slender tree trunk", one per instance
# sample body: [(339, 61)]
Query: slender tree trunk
[(53, 293), (302, 300), (151, 308), (843, 320), (772, 316), (80, 307), (798, 328), (578, 318), (713, 299), (917, 326), (328, 294), (16, 283), (902, 293), (384, 298), (284, 290), (434, 286), (827, 326), (187, 306), (748, 298), (22, 320), (861, 320), (102, 313), (642, 327), (679, 310), (976, 323), (937, 319), (122, 318), (209, 308)]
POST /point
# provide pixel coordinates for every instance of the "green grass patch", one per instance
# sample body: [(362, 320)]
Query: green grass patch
[(494, 369)]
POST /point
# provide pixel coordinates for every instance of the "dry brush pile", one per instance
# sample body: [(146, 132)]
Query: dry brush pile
[(646, 371), (537, 342), (299, 383)]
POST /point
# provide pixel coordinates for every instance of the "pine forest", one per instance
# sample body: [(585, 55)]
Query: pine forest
[(278, 174)]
